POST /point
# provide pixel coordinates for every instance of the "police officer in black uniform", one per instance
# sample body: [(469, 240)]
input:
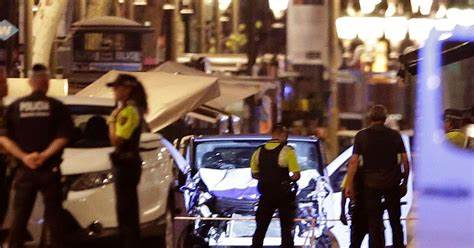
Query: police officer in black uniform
[(271, 165), (38, 129), (125, 127), (4, 180)]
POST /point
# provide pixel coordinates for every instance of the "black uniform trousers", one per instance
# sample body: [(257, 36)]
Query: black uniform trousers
[(4, 189), (27, 184), (359, 223), (285, 203), (127, 174), (373, 202)]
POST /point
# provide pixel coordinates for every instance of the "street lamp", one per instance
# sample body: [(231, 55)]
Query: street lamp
[(278, 7), (419, 29), (395, 30), (224, 5), (346, 28), (371, 29), (463, 17), (140, 2), (368, 6)]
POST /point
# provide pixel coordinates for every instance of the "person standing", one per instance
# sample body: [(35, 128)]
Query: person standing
[(125, 126), (271, 165), (4, 180), (38, 129), (380, 148), (357, 211), (453, 122)]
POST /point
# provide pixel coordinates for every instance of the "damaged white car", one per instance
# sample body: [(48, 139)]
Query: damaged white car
[(218, 184)]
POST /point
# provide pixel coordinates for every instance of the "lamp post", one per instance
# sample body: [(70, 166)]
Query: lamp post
[(333, 113), (186, 13), (168, 17)]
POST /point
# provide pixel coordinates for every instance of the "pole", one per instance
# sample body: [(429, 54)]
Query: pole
[(82, 9), (168, 19), (187, 32), (130, 9), (174, 27), (202, 26), (28, 29), (333, 113), (218, 26), (252, 45), (235, 16)]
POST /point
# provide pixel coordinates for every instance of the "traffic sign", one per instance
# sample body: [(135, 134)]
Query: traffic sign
[(7, 30)]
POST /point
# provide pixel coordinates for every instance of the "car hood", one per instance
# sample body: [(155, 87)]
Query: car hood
[(239, 184), (85, 160)]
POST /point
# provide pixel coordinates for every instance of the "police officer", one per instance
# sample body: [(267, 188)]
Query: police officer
[(125, 126), (271, 165), (4, 184), (453, 121), (380, 148), (38, 129), (357, 211)]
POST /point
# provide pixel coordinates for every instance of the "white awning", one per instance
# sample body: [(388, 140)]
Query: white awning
[(232, 89), (170, 96)]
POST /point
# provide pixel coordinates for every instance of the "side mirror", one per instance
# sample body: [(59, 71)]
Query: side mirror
[(180, 161)]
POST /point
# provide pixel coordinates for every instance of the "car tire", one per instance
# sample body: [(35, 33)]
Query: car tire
[(327, 240)]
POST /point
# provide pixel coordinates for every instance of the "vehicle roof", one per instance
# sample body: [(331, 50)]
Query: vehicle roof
[(257, 137), (77, 100)]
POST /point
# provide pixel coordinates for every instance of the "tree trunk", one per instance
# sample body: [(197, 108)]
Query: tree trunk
[(45, 26)]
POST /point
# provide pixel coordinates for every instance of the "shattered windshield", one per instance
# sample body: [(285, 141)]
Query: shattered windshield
[(237, 154)]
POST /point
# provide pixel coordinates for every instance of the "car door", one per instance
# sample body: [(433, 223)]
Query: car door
[(156, 177)]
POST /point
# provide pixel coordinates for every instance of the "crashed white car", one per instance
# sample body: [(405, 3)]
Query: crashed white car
[(89, 204), (219, 184)]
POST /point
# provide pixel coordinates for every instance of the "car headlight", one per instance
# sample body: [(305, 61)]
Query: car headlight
[(92, 180)]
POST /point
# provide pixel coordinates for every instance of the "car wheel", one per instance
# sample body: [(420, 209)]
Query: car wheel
[(327, 240)]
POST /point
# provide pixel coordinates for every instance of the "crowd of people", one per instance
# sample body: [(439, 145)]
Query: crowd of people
[(35, 129)]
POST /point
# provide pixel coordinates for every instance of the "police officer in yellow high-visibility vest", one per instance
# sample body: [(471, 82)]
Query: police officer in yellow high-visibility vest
[(125, 126), (275, 167)]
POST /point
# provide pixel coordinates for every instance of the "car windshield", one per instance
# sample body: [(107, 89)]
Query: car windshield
[(90, 126), (237, 154)]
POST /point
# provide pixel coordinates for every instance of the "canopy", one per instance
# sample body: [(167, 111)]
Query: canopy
[(18, 87), (232, 89), (451, 52), (169, 96)]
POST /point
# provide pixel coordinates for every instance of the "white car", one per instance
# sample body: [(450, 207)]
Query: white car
[(89, 204), (219, 184)]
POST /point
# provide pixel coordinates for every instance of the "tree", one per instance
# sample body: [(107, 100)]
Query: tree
[(45, 26)]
